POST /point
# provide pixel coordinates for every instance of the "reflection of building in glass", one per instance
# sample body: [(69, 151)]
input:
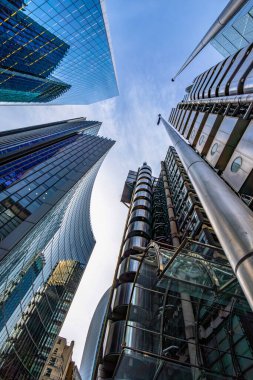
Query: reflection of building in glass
[(237, 33), (59, 365), (47, 173), (49, 49), (176, 310), (29, 54)]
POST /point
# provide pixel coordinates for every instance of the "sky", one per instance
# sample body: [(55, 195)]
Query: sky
[(151, 39)]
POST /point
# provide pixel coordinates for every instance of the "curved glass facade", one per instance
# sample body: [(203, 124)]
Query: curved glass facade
[(92, 340), (44, 252), (55, 51)]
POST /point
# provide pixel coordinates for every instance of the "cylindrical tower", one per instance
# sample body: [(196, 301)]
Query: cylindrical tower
[(138, 232)]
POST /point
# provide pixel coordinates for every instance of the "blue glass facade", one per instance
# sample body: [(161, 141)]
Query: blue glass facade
[(46, 237), (55, 52), (237, 33)]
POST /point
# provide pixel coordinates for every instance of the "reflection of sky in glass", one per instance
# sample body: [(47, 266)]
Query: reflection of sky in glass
[(237, 33), (87, 65)]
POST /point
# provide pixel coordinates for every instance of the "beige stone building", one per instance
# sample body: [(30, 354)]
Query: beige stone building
[(59, 365)]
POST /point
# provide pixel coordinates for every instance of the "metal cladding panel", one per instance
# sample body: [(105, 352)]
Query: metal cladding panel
[(196, 93), (143, 186), (136, 337), (129, 187), (225, 83), (194, 86), (142, 194), (236, 84), (114, 339), (225, 141), (139, 228), (128, 268), (212, 80), (174, 115), (206, 82), (145, 167), (91, 347), (207, 135), (141, 299), (143, 173), (140, 214), (221, 139), (134, 244), (179, 122), (184, 121), (238, 171), (225, 68), (171, 115), (248, 83), (177, 116), (122, 297), (144, 181), (197, 128), (189, 126)]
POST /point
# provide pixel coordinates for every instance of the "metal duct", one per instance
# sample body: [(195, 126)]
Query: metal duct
[(231, 219), (226, 15), (239, 99)]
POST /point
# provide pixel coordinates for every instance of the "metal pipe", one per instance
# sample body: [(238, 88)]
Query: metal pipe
[(239, 99), (226, 15), (231, 219)]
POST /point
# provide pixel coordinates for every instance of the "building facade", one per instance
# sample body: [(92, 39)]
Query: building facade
[(176, 309), (47, 175), (59, 365), (237, 33), (55, 53)]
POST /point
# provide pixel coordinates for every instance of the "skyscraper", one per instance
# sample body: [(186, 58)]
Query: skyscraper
[(55, 52), (176, 310), (47, 175)]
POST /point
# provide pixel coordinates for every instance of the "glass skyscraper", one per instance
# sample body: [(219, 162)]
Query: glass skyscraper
[(56, 52), (47, 175)]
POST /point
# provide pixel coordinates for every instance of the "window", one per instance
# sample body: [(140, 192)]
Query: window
[(202, 139), (236, 164), (214, 149), (48, 372)]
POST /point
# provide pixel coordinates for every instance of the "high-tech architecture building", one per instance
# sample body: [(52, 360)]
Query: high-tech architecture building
[(55, 52), (47, 175), (176, 310)]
